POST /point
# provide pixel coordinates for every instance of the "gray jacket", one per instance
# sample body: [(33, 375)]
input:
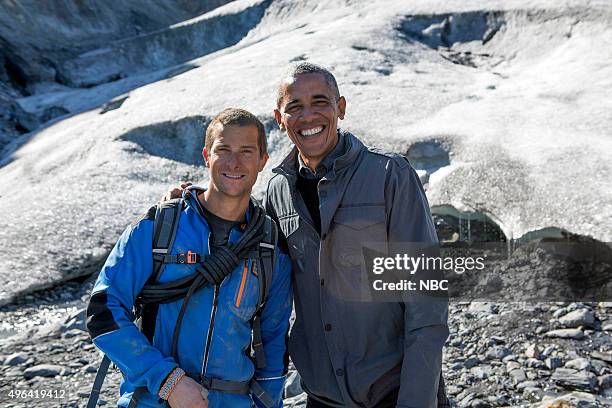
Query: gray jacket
[(352, 353)]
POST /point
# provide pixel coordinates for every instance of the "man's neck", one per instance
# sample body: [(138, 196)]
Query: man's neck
[(223, 206), (313, 162)]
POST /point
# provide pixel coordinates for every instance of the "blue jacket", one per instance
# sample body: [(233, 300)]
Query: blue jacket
[(125, 272)]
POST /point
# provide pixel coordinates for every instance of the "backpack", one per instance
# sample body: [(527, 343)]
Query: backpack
[(166, 216)]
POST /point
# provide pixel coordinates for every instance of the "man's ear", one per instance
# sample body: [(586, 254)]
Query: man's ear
[(341, 107), (279, 119), (205, 157), (263, 161)]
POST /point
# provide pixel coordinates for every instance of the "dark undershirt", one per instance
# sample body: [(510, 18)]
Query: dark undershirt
[(219, 228), (307, 187)]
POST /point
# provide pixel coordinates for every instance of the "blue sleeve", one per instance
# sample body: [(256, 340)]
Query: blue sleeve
[(274, 330), (109, 313)]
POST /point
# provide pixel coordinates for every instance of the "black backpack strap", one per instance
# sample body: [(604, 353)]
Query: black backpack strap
[(165, 226), (267, 259), (97, 385)]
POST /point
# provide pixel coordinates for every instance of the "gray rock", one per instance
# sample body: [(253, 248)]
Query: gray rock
[(577, 318), (605, 381), (456, 366), (599, 367), (482, 308), (575, 334), (547, 352), (573, 379), (512, 365), (534, 363), (579, 364), (497, 353), (75, 321), (532, 393), (481, 372), (15, 359), (526, 384), (559, 312), (603, 355), (43, 370), (295, 402), (518, 375), (292, 385), (533, 351), (553, 362), (471, 362)]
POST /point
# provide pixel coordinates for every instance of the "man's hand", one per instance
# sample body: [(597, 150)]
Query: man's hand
[(176, 192), (187, 394)]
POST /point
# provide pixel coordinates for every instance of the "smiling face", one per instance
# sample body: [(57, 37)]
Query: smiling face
[(234, 160), (309, 112)]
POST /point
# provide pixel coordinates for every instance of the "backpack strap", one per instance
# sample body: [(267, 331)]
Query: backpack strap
[(267, 260), (165, 226), (165, 217)]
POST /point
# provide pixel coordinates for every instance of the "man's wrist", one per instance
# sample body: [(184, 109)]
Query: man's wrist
[(170, 383)]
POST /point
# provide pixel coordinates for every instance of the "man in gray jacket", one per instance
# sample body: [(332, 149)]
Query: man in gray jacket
[(331, 195)]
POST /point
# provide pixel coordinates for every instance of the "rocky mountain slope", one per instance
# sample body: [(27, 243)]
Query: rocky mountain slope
[(503, 107)]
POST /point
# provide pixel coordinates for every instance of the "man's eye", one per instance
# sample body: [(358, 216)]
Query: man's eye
[(292, 109), (321, 103)]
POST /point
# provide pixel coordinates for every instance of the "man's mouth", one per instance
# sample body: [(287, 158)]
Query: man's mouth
[(311, 131), (233, 176)]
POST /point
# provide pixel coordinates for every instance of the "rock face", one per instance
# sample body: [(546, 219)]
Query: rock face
[(495, 111), (119, 130)]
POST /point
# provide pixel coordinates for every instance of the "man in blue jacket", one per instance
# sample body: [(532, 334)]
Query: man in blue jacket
[(216, 328)]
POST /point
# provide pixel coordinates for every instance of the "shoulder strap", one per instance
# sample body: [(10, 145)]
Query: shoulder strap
[(267, 260), (165, 224)]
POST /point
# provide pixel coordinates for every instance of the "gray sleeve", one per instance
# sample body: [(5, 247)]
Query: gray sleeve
[(425, 319)]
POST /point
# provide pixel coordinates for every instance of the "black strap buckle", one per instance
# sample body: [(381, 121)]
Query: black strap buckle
[(188, 258)]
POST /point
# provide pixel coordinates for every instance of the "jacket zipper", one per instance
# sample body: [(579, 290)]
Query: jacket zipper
[(211, 328), (245, 273), (211, 322)]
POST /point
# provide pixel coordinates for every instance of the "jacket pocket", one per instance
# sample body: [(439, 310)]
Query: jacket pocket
[(246, 293), (360, 217), (352, 229)]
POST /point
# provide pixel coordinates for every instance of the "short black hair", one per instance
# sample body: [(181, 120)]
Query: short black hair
[(238, 117), (306, 68)]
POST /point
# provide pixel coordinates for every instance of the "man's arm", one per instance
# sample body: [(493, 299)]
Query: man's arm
[(110, 320), (274, 329), (425, 319)]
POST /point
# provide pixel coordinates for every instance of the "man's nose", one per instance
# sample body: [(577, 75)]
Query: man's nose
[(308, 112), (233, 159)]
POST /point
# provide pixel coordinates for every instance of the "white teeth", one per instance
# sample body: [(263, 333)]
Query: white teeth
[(232, 177), (313, 131)]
